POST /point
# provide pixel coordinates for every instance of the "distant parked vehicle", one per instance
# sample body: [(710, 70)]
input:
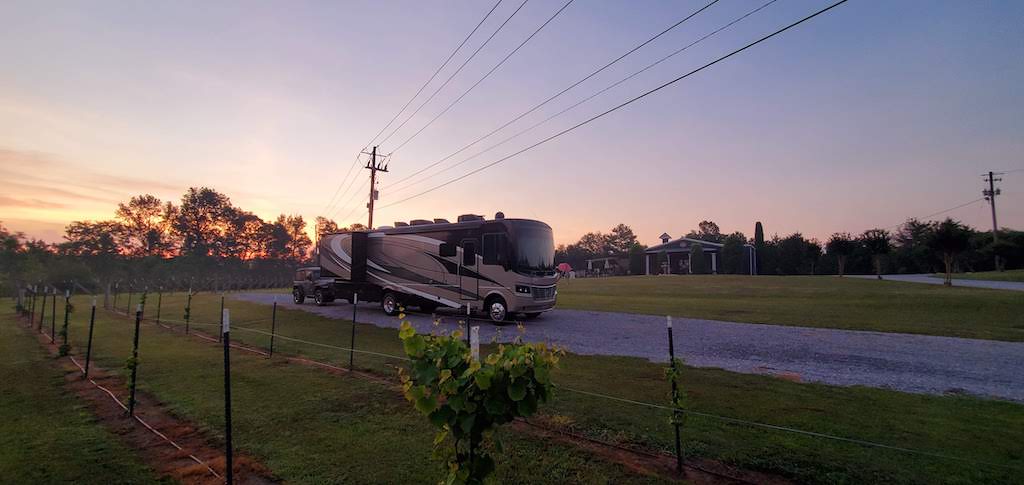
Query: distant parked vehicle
[(499, 267)]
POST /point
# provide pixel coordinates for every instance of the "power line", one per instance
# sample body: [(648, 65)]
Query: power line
[(485, 76), (445, 63), (582, 101), (556, 95), (438, 71), (439, 88), (951, 209), (624, 104)]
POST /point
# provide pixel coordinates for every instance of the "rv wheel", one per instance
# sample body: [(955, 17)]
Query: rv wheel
[(318, 297), (389, 304), (298, 296), (496, 309)]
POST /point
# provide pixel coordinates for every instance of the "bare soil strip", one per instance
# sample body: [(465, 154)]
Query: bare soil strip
[(171, 446)]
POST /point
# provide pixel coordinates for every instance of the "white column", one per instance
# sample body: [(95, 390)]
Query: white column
[(689, 262), (647, 264), (714, 263)]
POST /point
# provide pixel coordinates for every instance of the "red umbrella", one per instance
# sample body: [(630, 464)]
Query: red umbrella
[(564, 267)]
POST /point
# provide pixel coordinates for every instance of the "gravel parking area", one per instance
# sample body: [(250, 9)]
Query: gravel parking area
[(910, 363)]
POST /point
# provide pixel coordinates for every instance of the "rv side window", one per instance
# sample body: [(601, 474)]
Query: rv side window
[(494, 248), (447, 250), (468, 253)]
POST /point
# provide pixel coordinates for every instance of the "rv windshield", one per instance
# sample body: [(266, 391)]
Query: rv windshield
[(535, 249)]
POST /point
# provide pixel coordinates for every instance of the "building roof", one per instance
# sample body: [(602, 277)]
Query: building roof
[(682, 245)]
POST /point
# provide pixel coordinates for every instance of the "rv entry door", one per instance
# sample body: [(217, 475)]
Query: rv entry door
[(468, 281)]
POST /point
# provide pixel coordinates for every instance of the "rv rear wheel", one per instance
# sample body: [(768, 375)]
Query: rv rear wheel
[(389, 304), (318, 297), (298, 296), (496, 309)]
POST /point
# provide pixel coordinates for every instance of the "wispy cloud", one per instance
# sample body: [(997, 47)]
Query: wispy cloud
[(6, 201)]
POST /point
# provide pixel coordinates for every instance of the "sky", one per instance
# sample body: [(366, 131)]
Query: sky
[(863, 117)]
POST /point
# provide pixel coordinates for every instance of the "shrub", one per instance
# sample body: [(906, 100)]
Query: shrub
[(467, 398)]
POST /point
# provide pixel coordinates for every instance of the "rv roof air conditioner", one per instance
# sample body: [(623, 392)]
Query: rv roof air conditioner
[(440, 221), (419, 222)]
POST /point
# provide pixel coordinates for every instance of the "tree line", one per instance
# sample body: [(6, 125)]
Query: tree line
[(203, 242), (916, 246)]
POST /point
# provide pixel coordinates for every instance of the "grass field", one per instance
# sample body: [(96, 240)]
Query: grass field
[(46, 434), (808, 301), (1008, 275), (342, 427), (306, 425)]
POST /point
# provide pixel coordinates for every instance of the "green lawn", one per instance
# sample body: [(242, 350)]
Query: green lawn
[(1008, 275), (186, 377), (46, 434), (809, 301)]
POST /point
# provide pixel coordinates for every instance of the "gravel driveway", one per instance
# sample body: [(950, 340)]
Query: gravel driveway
[(911, 363), (932, 280)]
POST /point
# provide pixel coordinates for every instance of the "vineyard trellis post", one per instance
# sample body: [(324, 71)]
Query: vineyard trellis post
[(159, 302), (675, 394), (64, 330), (225, 319), (53, 316), (220, 335), (88, 345), (273, 328), (188, 308), (352, 339), (134, 363), (42, 311)]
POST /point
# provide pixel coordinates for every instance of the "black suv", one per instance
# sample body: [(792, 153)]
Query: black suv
[(308, 283)]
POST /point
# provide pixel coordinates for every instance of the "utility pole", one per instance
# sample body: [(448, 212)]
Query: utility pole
[(373, 166), (990, 195)]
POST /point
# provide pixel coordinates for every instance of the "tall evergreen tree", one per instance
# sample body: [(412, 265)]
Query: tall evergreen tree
[(758, 246), (697, 263)]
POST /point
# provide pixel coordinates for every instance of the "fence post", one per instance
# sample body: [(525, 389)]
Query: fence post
[(225, 318), (88, 346), (42, 311), (273, 328), (468, 312), (127, 308), (117, 291), (188, 308), (135, 362), (53, 316), (352, 340), (32, 313), (675, 394), (220, 336), (159, 301), (64, 330)]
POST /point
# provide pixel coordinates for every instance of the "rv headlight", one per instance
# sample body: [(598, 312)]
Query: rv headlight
[(523, 289)]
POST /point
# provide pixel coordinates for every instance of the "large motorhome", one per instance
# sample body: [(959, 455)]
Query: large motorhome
[(500, 267)]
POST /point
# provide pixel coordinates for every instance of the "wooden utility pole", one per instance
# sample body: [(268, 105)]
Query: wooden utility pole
[(373, 166), (990, 195)]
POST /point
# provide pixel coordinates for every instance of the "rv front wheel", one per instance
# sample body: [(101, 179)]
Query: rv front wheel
[(298, 296), (496, 309), (389, 304), (318, 297)]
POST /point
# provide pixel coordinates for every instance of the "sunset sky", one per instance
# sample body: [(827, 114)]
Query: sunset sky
[(872, 113)]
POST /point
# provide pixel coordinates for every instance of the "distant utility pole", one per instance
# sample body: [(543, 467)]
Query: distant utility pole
[(990, 195), (374, 166)]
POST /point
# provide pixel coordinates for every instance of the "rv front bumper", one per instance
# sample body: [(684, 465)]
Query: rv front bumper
[(535, 300)]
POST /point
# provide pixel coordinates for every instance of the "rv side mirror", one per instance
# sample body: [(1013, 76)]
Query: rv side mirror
[(447, 250)]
